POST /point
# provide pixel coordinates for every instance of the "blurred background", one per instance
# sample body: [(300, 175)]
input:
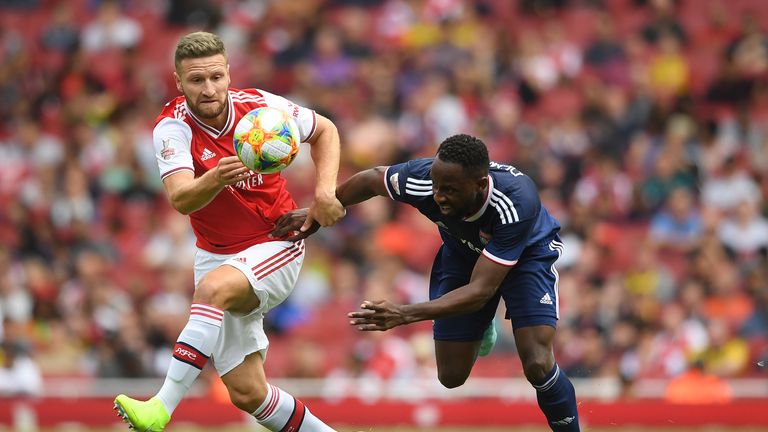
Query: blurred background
[(643, 122)]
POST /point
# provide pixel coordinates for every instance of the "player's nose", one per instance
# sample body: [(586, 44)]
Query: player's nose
[(208, 89)]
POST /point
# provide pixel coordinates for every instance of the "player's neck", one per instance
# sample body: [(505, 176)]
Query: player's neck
[(219, 122)]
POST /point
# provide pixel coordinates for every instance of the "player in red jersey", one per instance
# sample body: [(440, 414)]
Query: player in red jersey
[(240, 273)]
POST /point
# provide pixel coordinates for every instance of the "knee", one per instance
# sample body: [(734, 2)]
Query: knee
[(451, 379), (212, 291), (247, 396), (537, 367)]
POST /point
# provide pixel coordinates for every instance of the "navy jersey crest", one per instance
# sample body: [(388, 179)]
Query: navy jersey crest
[(512, 216)]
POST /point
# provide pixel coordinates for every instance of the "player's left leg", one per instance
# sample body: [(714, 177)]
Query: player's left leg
[(554, 391), (272, 407), (242, 347), (531, 295)]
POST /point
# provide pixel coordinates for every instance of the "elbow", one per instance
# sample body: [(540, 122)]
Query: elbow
[(183, 210), (180, 207), (478, 300), (324, 126)]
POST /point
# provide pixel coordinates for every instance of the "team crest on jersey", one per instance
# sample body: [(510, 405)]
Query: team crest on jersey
[(395, 182), (169, 149), (485, 237)]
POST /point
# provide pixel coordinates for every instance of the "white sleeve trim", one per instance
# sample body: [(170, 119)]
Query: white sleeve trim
[(174, 171), (386, 186), (498, 260), (305, 118)]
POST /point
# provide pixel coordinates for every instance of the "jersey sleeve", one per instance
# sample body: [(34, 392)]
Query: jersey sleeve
[(305, 118), (509, 240), (513, 225), (409, 182), (173, 140)]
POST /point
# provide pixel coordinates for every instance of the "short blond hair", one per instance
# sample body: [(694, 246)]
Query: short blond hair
[(196, 45)]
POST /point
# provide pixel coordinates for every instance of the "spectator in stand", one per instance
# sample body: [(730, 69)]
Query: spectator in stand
[(62, 34), (727, 299), (678, 226), (745, 233), (668, 174), (726, 189), (111, 29), (19, 375), (606, 54), (727, 354), (669, 72), (663, 20), (606, 189), (755, 327), (749, 52)]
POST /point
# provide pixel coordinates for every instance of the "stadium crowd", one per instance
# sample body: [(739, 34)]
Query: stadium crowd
[(642, 122)]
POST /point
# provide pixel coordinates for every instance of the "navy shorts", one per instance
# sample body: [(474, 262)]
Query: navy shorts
[(529, 291)]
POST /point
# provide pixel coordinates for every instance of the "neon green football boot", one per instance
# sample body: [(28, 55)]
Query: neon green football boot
[(489, 340), (149, 416)]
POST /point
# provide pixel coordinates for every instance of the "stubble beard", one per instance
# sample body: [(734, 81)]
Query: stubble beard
[(208, 114)]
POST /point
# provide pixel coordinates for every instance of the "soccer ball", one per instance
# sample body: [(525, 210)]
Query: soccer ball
[(266, 140)]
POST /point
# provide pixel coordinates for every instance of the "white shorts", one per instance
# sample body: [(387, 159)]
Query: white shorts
[(272, 269)]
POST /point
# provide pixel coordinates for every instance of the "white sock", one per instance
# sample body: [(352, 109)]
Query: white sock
[(284, 413), (190, 353)]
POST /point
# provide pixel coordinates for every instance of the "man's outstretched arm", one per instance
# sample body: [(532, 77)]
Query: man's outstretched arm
[(358, 188), (384, 315)]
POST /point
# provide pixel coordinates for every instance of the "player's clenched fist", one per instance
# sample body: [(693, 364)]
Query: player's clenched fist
[(325, 210)]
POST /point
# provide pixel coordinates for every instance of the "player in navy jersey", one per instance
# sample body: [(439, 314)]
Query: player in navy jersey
[(499, 242)]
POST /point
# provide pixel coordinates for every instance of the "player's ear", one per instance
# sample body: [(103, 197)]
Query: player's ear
[(482, 182), (177, 79)]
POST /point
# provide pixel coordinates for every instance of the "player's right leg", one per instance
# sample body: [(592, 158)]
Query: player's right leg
[(223, 288), (458, 339)]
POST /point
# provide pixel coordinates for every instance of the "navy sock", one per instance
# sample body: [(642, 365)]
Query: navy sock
[(557, 400)]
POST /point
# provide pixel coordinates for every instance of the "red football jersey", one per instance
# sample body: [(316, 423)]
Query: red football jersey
[(242, 214)]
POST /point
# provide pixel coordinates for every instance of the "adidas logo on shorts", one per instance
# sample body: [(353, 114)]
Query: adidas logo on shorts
[(546, 299)]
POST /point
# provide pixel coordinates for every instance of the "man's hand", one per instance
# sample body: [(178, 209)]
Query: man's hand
[(325, 210), (378, 315), (230, 170), (289, 224)]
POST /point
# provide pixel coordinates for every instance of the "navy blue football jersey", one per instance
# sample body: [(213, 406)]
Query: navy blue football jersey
[(511, 218)]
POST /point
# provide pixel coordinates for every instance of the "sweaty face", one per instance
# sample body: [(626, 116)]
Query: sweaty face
[(204, 82), (456, 191)]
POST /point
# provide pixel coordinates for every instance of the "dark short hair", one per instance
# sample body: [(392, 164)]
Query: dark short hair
[(468, 151)]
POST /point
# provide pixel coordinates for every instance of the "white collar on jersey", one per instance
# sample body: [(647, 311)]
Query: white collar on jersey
[(480, 212), (212, 131)]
